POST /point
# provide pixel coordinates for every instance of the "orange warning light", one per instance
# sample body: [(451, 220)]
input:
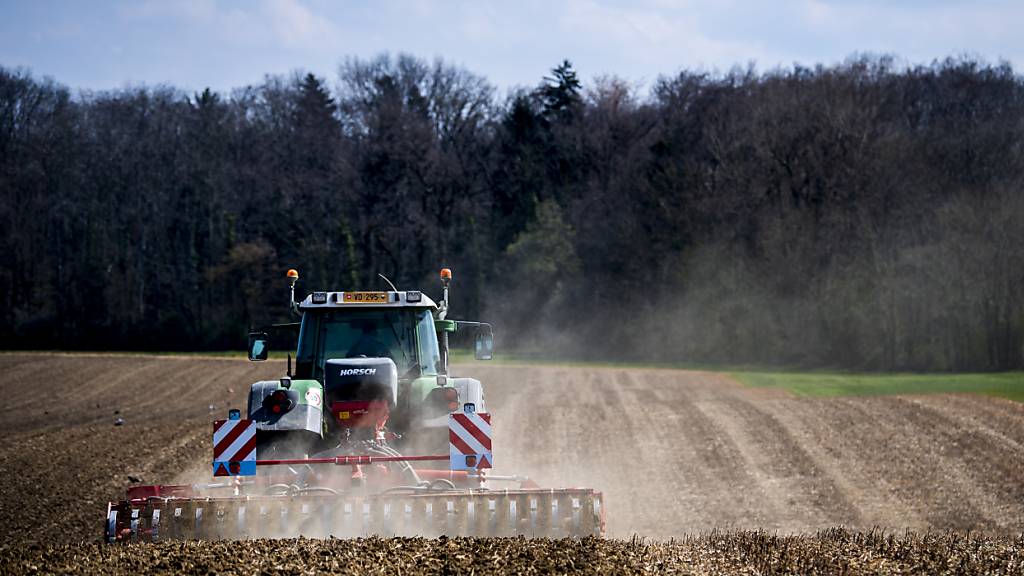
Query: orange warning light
[(446, 274), (293, 273)]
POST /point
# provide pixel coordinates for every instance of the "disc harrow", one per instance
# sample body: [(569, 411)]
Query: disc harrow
[(533, 513)]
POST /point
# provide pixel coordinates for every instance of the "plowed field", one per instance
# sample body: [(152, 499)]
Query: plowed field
[(674, 452)]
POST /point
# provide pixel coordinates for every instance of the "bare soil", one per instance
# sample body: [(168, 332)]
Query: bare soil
[(835, 551), (679, 452), (676, 453)]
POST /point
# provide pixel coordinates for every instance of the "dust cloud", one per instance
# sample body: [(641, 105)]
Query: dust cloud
[(679, 452), (934, 293)]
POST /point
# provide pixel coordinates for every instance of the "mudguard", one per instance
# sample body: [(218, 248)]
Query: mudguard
[(471, 391), (306, 413)]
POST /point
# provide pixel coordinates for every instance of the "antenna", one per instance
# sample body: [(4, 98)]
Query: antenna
[(388, 281)]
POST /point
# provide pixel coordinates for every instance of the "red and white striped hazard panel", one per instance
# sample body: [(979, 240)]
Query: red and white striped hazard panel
[(234, 448), (469, 440)]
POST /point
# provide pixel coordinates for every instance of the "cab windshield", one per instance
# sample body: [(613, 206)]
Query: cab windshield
[(406, 336)]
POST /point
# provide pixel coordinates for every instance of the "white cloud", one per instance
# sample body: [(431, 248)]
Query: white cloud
[(196, 11), (296, 26), (479, 23), (663, 33), (287, 24)]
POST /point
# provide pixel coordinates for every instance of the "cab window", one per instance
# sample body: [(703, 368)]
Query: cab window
[(351, 334), (426, 339)]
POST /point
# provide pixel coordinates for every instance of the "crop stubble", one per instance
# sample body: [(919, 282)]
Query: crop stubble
[(674, 452)]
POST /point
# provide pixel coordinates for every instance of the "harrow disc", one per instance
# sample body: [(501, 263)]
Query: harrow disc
[(534, 513)]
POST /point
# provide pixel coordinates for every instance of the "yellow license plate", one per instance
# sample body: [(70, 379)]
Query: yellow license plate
[(365, 298), (343, 415)]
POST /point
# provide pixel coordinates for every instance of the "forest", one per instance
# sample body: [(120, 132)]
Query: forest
[(866, 216)]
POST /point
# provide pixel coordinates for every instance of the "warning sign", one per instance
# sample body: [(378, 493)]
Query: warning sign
[(469, 441), (234, 448)]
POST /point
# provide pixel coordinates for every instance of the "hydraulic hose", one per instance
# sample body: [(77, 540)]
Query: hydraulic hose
[(448, 484), (406, 467)]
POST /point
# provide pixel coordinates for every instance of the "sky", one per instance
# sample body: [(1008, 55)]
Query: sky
[(223, 44)]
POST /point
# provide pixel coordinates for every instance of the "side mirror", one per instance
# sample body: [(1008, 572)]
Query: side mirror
[(483, 349), (259, 346)]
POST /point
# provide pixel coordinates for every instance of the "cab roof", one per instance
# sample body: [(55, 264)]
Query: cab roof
[(350, 300)]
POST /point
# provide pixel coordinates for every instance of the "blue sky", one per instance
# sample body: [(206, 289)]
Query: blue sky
[(223, 44)]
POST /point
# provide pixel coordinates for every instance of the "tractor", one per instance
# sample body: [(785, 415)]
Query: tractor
[(346, 443)]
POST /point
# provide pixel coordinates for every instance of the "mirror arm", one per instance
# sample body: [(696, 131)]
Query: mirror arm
[(486, 327)]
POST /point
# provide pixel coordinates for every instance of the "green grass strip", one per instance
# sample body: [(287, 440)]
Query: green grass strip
[(1003, 384)]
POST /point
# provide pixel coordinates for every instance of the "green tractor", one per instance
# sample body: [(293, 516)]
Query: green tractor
[(368, 366), (346, 442)]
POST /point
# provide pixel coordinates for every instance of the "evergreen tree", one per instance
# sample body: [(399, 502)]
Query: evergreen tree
[(560, 93)]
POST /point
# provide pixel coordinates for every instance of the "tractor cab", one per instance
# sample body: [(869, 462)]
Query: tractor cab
[(394, 328), (366, 364)]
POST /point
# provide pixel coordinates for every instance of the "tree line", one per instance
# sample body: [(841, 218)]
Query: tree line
[(865, 216)]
